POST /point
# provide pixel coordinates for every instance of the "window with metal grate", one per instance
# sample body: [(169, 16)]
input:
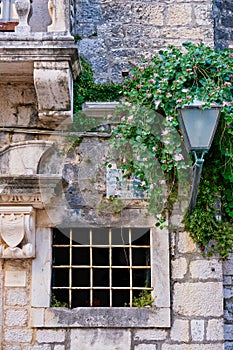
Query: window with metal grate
[(100, 267)]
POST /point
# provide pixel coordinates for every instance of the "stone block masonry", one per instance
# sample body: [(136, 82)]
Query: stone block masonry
[(228, 302), (197, 314), (29, 323), (113, 34)]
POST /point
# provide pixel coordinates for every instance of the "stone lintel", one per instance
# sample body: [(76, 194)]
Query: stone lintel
[(34, 190)]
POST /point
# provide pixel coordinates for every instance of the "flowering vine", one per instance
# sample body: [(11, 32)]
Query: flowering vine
[(148, 143)]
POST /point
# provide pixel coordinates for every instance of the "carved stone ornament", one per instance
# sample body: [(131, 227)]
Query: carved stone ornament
[(23, 9), (17, 232)]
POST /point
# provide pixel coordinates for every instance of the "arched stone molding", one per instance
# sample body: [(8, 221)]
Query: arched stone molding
[(22, 158)]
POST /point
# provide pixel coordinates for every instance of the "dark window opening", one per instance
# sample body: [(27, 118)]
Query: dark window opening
[(100, 267), (8, 16)]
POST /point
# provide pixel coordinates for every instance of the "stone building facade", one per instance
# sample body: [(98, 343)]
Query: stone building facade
[(49, 182), (115, 33)]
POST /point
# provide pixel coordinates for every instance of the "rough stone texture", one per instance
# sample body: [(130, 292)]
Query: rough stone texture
[(23, 159), (228, 302), (228, 291), (50, 336), (114, 33), (228, 346), (38, 347), (16, 297), (105, 317), (179, 268), (142, 334), (16, 317), (54, 78), (215, 330), (197, 330), (214, 346), (223, 28), (228, 332), (18, 105), (146, 347), (18, 335), (185, 243), (100, 339), (179, 15), (180, 331), (193, 299), (204, 269)]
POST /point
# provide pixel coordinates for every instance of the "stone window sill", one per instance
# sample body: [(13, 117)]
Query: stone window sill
[(118, 317)]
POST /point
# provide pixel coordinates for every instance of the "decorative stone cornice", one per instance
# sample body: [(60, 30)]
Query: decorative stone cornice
[(22, 199), (37, 191)]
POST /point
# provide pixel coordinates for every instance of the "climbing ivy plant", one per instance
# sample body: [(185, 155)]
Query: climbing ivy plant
[(148, 142), (86, 90)]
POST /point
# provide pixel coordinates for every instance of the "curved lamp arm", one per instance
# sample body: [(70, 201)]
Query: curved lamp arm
[(197, 169)]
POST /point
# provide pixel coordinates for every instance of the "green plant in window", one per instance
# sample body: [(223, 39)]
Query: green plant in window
[(57, 303), (85, 89), (144, 299)]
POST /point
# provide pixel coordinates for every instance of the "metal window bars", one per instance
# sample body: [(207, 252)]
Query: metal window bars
[(101, 267)]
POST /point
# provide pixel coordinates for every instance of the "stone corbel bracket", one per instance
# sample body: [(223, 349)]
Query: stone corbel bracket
[(17, 232), (54, 85)]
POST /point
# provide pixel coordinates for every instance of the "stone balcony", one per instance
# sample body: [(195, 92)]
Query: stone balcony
[(37, 16), (38, 62)]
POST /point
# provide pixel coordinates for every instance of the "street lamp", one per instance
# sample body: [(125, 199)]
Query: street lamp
[(198, 126)]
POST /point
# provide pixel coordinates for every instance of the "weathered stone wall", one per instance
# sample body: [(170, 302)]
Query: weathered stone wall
[(115, 33), (196, 313), (223, 23), (18, 105), (228, 302), (196, 283)]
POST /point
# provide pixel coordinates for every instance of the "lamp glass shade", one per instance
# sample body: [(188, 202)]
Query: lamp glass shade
[(198, 127)]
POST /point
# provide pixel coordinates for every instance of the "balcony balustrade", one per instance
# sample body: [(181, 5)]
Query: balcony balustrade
[(38, 57), (26, 16)]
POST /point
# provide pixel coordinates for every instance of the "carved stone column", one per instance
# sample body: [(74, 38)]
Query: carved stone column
[(59, 13), (23, 8), (17, 232)]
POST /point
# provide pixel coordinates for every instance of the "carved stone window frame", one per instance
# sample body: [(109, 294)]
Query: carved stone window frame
[(42, 315)]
